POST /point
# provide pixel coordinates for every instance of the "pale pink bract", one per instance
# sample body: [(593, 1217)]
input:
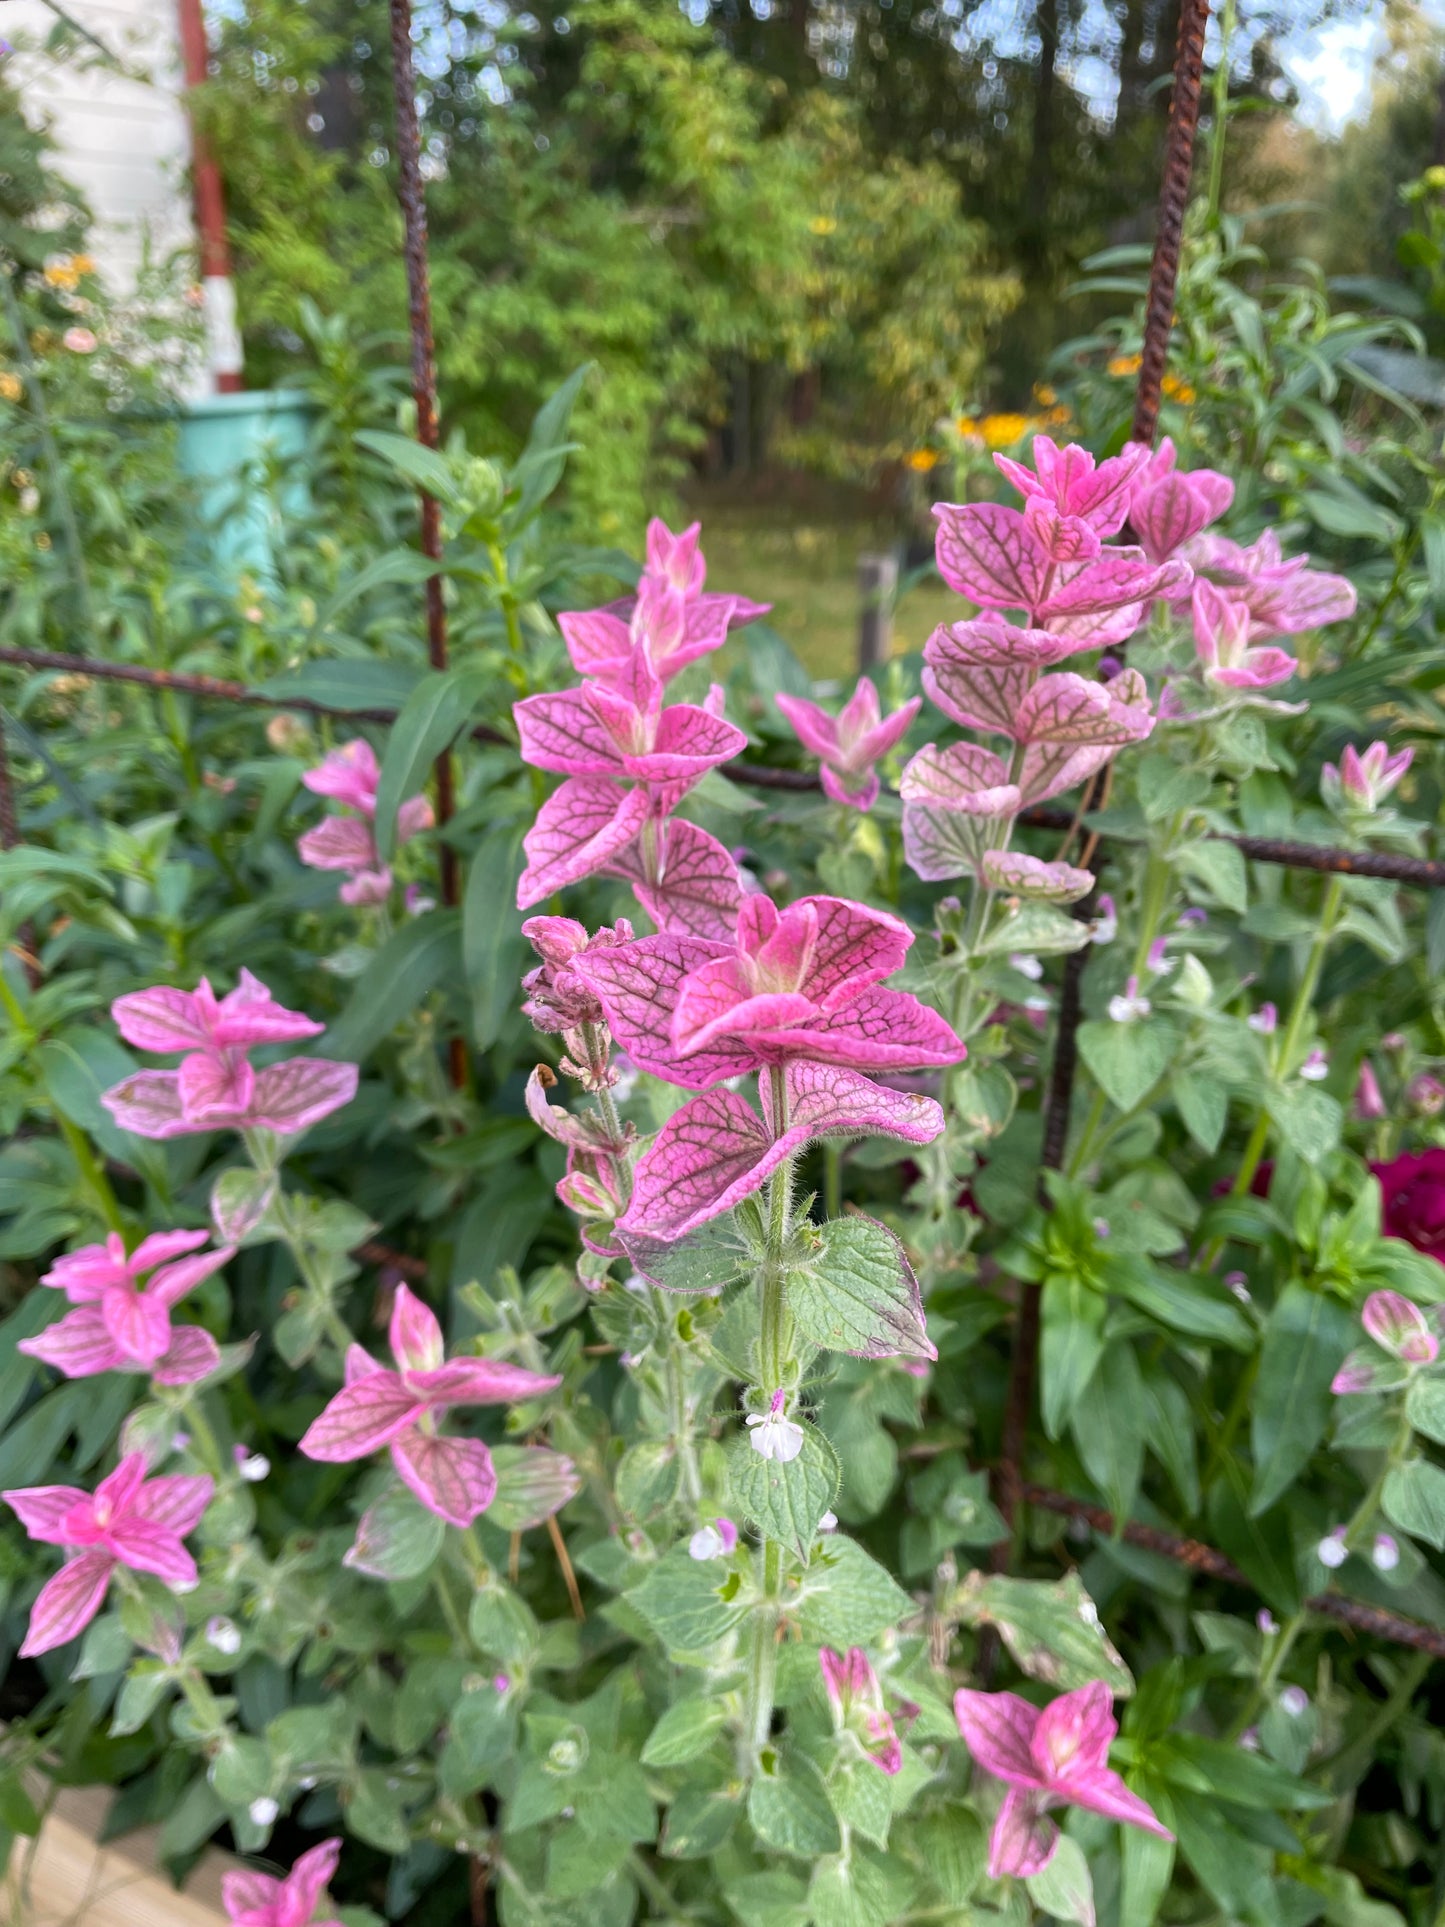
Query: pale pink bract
[(123, 1325), (377, 1407), (350, 776), (1169, 506), (216, 1087), (1222, 631), (1057, 1756), (129, 1520), (262, 1900), (1284, 596), (850, 743), (1364, 780), (855, 1700)]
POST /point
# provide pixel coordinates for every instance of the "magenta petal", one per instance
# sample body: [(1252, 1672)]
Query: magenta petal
[(579, 829), (158, 1249), (862, 794), (250, 1015), (415, 1335), (307, 1880), (814, 728), (294, 1095), (986, 552), (688, 742), (160, 1019), (175, 1282), (479, 1381), (706, 1158), (1023, 1839), (149, 1103), (716, 1004), (177, 1501), (363, 1416), (562, 731), (597, 641), (79, 1345), (193, 1354), (827, 1101), (853, 946), (880, 1029), (214, 1086), (138, 1323), (1073, 1733), (347, 775), (453, 1478), (67, 1603), (699, 892), (638, 985), (146, 1547), (998, 1729), (44, 1509), (1104, 1792), (338, 843)]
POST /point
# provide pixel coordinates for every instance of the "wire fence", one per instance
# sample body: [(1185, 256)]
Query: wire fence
[(1010, 1487)]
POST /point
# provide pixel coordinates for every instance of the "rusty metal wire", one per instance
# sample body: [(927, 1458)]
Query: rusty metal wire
[(1364, 1618), (1173, 204)]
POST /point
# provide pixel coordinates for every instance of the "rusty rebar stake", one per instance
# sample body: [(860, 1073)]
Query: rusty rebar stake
[(1173, 205)]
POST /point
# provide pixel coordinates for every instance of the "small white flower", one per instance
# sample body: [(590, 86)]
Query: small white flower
[(1131, 1006), (828, 1522), (773, 1434), (1295, 1701), (180, 1441), (706, 1543), (1266, 1622), (1332, 1550), (184, 1585), (1026, 965), (224, 1634), (1101, 1227), (254, 1467), (1038, 1006), (1385, 1553), (29, 500), (1249, 1739), (635, 1282), (1315, 1067), (263, 1812), (1263, 1020), (1238, 1285), (1105, 926)]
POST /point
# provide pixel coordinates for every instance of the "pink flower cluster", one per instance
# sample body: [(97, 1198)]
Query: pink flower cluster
[(350, 776), (852, 742), (1363, 781), (261, 1900), (855, 1700), (796, 994), (1049, 1757), (397, 1410), (129, 1520), (629, 758), (122, 1324), (1404, 1339), (216, 1086)]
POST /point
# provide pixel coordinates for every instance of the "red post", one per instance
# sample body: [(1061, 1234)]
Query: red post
[(223, 339)]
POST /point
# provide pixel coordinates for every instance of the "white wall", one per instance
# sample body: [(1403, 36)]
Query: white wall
[(125, 143)]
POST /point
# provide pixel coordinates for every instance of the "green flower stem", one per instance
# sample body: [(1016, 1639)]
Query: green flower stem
[(763, 1658), (1227, 24), (450, 1610), (208, 1448), (337, 1329), (1294, 1030)]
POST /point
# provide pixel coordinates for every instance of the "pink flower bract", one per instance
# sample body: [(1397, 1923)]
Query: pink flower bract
[(350, 775), (261, 1900), (452, 1477), (1057, 1756), (850, 743), (129, 1520), (123, 1325)]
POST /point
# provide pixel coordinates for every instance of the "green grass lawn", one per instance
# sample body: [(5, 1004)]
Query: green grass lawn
[(808, 569)]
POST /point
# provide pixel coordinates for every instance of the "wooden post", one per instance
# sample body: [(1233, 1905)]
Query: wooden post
[(877, 588)]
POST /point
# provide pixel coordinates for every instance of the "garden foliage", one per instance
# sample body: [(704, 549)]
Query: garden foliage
[(557, 1468)]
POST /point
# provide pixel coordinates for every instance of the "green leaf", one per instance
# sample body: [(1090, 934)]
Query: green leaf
[(1220, 867), (850, 1892), (1127, 1060), (577, 1862), (950, 1846), (1414, 1500), (540, 466), (1035, 929), (1190, 1302), (241, 1772), (139, 1697), (1248, 1779), (786, 1499), (858, 1294), (1425, 1408), (424, 468), (493, 947), (1147, 1866), (1305, 1342), (789, 1809), (1065, 1888), (681, 1599), (1109, 1424), (860, 1796), (1203, 1106), (1052, 1629), (501, 1623), (394, 565), (684, 1731), (411, 964), (397, 1538), (440, 705), (376, 1812), (1259, 1547), (1309, 1120), (18, 1812), (708, 1259), (1070, 1347), (849, 1598), (349, 682), (699, 1821), (771, 1899)]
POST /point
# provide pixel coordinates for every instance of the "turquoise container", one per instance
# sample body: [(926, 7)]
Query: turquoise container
[(248, 452)]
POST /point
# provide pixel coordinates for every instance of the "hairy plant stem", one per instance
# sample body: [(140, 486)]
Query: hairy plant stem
[(1215, 196)]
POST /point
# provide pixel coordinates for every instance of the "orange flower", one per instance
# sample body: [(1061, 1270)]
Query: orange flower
[(921, 460), (1123, 365), (1002, 431), (1177, 389), (11, 387)]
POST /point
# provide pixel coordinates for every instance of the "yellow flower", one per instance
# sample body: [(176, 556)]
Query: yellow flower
[(1044, 395), (822, 224), (1435, 177), (921, 460), (1123, 365), (82, 264), (1057, 417), (60, 271), (1177, 389), (1002, 431), (965, 425), (11, 387)]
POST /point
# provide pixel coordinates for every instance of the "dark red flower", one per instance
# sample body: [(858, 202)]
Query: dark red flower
[(1413, 1202)]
